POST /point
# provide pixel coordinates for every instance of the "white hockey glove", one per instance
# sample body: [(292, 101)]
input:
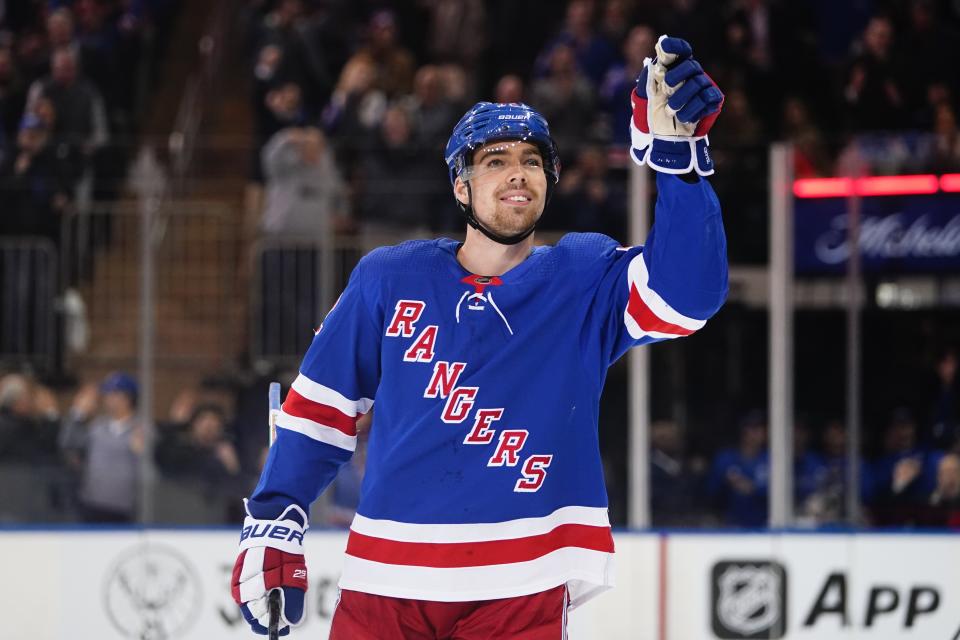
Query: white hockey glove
[(271, 557), (674, 106)]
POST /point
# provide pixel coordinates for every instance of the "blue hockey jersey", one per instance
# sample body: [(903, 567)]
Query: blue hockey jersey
[(484, 478)]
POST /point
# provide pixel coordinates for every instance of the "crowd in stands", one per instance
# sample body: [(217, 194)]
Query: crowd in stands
[(81, 456), (910, 475), (211, 444), (68, 89), (381, 88)]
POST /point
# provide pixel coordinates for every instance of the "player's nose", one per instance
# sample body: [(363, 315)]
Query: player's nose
[(517, 175)]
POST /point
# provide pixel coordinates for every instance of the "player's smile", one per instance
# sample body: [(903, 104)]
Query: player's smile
[(517, 197)]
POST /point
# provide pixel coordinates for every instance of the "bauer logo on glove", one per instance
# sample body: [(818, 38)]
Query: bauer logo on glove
[(674, 106), (271, 558)]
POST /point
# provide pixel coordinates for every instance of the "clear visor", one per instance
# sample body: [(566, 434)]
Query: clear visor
[(502, 157)]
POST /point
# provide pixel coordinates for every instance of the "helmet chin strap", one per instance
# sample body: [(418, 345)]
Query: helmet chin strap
[(474, 222)]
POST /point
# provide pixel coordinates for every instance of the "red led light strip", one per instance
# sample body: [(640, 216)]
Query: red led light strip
[(876, 186), (950, 182)]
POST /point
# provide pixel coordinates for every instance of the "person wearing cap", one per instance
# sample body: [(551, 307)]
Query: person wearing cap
[(102, 442)]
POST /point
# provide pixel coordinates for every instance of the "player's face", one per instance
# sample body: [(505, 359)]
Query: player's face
[(507, 184)]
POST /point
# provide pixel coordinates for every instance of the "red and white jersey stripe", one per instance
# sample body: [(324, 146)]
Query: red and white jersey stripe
[(322, 413), (647, 314), (456, 562)]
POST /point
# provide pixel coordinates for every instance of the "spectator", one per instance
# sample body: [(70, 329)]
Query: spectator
[(739, 477), (61, 32), (458, 30), (588, 198), (742, 131), (615, 22), (393, 64), (105, 448), (29, 417), (456, 85), (433, 114), (181, 409), (945, 499), (566, 100), (872, 90), (621, 79), (945, 155), (203, 455), (827, 503), (509, 88), (305, 192), (282, 107), (905, 474), (36, 182), (395, 195), (810, 156), (81, 118), (355, 112), (285, 37), (674, 478), (266, 75), (592, 54), (809, 468), (927, 37)]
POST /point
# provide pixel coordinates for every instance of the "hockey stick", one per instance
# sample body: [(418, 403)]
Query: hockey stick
[(273, 630)]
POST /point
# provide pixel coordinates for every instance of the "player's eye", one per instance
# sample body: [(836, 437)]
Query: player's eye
[(494, 162), (533, 162)]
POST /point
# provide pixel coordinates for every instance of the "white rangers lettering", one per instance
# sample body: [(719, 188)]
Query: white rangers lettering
[(534, 473), (481, 433), (422, 348), (511, 442), (405, 317), (459, 404), (444, 378)]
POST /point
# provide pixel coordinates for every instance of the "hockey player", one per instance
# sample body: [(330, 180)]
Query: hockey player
[(483, 511)]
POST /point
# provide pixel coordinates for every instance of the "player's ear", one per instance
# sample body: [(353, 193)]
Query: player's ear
[(460, 191)]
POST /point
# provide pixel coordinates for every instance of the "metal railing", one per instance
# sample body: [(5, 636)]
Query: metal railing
[(201, 85), (195, 273)]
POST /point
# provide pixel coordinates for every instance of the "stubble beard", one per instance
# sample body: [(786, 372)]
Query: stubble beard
[(509, 221)]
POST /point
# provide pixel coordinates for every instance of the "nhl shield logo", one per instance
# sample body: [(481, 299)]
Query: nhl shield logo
[(749, 599)]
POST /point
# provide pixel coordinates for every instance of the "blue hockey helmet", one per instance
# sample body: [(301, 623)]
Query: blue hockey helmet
[(487, 122)]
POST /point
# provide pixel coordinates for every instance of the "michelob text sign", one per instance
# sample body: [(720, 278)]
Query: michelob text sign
[(898, 234)]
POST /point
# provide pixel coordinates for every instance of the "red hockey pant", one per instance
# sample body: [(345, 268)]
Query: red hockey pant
[(364, 616)]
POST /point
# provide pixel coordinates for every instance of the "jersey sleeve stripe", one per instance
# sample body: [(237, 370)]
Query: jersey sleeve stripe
[(478, 554), (649, 310), (479, 532), (647, 320), (316, 431), (332, 398), (299, 407)]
